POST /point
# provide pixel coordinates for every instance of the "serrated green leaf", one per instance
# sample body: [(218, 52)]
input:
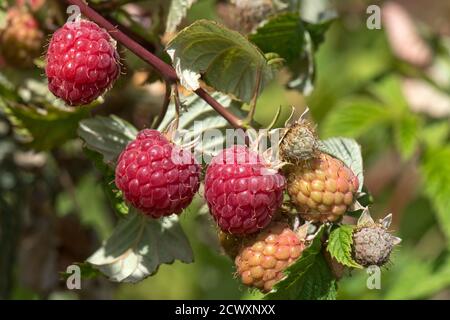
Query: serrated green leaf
[(113, 193), (389, 92), (340, 246), (177, 11), (200, 119), (309, 278), (44, 129), (139, 245), (354, 117), (436, 174), (225, 59), (407, 134), (435, 134), (282, 34), (106, 135), (349, 152)]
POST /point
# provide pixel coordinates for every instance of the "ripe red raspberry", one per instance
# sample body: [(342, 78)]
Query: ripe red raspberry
[(322, 189), (241, 194), (21, 41), (82, 62), (262, 260), (156, 176)]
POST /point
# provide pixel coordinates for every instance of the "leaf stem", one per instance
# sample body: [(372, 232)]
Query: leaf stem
[(164, 107), (165, 70)]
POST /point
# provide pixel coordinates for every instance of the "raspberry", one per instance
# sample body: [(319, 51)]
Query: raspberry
[(152, 177), (21, 40), (322, 189), (372, 243), (262, 260), (241, 195), (82, 62), (299, 143)]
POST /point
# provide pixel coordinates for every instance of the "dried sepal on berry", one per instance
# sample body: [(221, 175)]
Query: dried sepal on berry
[(372, 243)]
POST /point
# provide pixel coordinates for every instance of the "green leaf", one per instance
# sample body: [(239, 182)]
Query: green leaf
[(308, 278), (86, 270), (113, 193), (106, 135), (139, 245), (355, 117), (340, 246), (44, 129), (389, 91), (407, 134), (436, 174), (349, 152), (177, 11), (304, 70), (225, 59), (201, 119), (283, 34), (416, 278)]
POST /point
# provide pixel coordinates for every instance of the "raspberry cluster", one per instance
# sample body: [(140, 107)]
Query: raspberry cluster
[(82, 62), (156, 176)]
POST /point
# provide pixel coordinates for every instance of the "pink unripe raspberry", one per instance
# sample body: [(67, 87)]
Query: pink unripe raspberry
[(241, 193), (82, 62), (156, 176), (262, 259)]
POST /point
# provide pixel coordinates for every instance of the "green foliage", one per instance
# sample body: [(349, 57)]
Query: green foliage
[(225, 59), (340, 246), (44, 129), (114, 195), (436, 175), (177, 11), (354, 117), (200, 119), (349, 152), (407, 134), (282, 34), (308, 278), (106, 135), (139, 245)]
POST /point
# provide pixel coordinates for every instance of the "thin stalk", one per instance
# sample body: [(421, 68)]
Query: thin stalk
[(165, 70)]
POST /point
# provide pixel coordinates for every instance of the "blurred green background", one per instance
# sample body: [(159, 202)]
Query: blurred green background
[(54, 211)]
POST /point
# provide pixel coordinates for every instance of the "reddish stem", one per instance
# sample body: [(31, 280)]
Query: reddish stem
[(166, 71)]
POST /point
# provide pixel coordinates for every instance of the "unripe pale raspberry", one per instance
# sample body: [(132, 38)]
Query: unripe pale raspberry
[(241, 193), (262, 259), (155, 176), (82, 62), (300, 143), (21, 41), (323, 189), (372, 245)]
